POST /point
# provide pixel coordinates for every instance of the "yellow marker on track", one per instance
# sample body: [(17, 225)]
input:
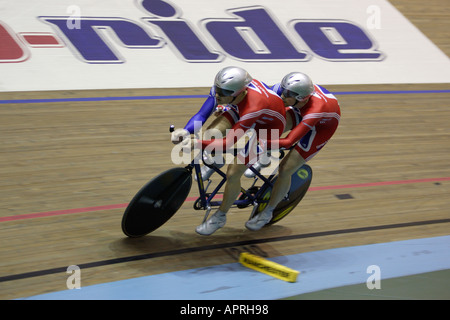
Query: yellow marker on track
[(268, 267)]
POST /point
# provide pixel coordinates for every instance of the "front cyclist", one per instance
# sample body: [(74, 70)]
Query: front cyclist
[(252, 107)]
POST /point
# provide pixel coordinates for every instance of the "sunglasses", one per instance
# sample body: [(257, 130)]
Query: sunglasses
[(291, 94), (223, 92)]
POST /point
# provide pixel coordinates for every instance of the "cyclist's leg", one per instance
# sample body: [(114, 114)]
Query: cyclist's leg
[(264, 160), (291, 163), (304, 151), (292, 119), (232, 189), (221, 123), (233, 185)]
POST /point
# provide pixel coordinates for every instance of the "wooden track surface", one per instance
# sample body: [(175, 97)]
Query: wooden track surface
[(73, 155)]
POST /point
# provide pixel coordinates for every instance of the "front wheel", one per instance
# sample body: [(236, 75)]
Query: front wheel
[(156, 202), (300, 182)]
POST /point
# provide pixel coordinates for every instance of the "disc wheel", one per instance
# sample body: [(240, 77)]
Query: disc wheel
[(300, 182), (156, 202)]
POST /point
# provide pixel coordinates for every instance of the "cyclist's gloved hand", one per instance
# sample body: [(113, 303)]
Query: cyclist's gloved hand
[(220, 110), (179, 135)]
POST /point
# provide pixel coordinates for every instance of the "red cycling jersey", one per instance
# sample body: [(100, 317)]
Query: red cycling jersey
[(261, 109), (313, 125)]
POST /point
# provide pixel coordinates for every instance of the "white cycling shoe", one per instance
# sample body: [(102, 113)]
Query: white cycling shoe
[(259, 221), (208, 171), (249, 173), (214, 223), (258, 166)]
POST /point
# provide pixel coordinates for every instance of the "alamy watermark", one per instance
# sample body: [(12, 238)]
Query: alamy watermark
[(374, 280), (74, 22), (374, 17), (74, 280)]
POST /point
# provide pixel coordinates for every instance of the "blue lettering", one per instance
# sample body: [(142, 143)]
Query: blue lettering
[(184, 40), (254, 36), (337, 40), (251, 34), (91, 44), (159, 8), (179, 34)]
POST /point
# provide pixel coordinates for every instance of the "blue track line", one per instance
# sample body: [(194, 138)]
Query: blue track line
[(90, 99), (102, 99)]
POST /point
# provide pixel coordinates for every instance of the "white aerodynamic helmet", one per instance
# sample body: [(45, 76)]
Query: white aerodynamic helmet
[(231, 81), (297, 85)]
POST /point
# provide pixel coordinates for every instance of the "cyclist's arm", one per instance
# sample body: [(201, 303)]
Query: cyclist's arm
[(236, 132), (277, 89), (204, 113), (295, 135)]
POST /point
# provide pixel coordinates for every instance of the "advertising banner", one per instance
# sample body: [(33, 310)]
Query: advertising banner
[(85, 44)]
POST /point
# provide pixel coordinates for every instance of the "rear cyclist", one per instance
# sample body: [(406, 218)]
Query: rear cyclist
[(314, 113)]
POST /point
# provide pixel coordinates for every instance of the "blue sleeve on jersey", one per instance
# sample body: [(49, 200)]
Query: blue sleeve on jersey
[(204, 113), (277, 89), (323, 89), (267, 86)]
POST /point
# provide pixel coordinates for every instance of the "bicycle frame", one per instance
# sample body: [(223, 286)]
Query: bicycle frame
[(205, 200), (160, 198)]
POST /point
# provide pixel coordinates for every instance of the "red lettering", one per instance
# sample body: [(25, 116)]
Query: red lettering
[(10, 48)]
